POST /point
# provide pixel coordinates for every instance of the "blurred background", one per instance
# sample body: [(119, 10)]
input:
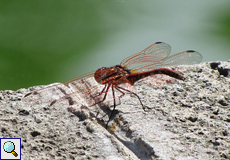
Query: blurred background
[(43, 42)]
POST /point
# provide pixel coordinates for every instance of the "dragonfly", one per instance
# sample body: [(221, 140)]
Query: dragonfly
[(95, 86)]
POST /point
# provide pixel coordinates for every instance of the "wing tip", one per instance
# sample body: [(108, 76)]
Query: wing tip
[(191, 51), (158, 42)]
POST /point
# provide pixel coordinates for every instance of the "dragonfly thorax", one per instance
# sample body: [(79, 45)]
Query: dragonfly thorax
[(115, 74)]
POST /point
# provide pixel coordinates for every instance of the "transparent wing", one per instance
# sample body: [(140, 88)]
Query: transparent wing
[(182, 58), (153, 53), (80, 91), (60, 91), (84, 76)]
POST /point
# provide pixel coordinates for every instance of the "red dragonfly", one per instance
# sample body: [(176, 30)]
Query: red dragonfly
[(152, 60)]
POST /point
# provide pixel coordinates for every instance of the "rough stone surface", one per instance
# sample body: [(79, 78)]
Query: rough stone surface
[(185, 120)]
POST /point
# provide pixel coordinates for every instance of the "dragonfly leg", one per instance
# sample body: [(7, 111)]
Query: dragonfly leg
[(114, 106), (106, 92), (100, 92), (144, 107), (99, 95), (122, 94)]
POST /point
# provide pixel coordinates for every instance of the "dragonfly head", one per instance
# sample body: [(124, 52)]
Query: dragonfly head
[(101, 74)]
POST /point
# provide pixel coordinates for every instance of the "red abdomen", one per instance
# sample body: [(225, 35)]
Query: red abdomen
[(133, 77)]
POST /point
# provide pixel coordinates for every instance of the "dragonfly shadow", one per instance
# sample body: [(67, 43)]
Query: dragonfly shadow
[(82, 115)]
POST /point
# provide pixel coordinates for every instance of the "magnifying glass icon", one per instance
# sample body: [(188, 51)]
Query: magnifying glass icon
[(9, 147)]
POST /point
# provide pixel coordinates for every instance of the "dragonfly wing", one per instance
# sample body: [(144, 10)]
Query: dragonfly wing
[(153, 53), (81, 93), (182, 58), (186, 57), (56, 91), (84, 76)]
